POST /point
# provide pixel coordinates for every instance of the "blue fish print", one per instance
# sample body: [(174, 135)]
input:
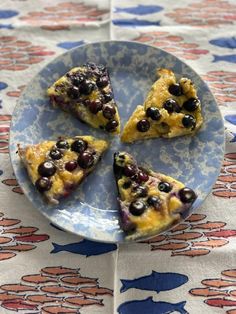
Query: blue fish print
[(134, 22), (70, 44), (231, 118), (155, 282), (140, 9), (225, 42), (3, 85), (85, 247), (148, 306), (6, 14), (233, 140), (227, 58), (7, 26)]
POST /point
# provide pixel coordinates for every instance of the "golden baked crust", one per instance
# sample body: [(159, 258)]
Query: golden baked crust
[(170, 123), (163, 198), (63, 181), (85, 92)]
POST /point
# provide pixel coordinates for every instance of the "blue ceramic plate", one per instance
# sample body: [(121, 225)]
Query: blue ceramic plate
[(91, 211)]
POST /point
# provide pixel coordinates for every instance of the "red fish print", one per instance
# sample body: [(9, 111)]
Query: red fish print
[(210, 243), (229, 273), (6, 255), (50, 291), (221, 288), (185, 236), (18, 288), (18, 305), (32, 238), (4, 240), (21, 230), (59, 270), (76, 280), (195, 217), (220, 302), (82, 301), (209, 225), (61, 16), (221, 233), (19, 247), (38, 279), (43, 298), (179, 227), (12, 182), (174, 44), (16, 93), (208, 292), (55, 289), (189, 243), (6, 222), (205, 14), (218, 283), (59, 310), (17, 55), (226, 182), (191, 252), (170, 246), (96, 291)]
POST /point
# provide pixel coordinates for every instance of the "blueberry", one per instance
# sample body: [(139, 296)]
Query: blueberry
[(126, 185), (55, 154), (73, 92), (171, 106), (129, 170), (140, 191), (86, 87), (43, 184), (189, 121), (111, 126), (153, 113), (141, 176), (164, 187), (79, 146), (154, 201), (143, 125), (107, 97), (187, 195), (62, 144), (109, 111), (86, 160), (191, 104), (47, 169), (102, 81), (77, 79), (176, 90), (95, 106), (71, 165), (137, 208)]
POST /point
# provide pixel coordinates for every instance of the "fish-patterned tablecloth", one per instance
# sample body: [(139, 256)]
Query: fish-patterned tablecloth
[(192, 268)]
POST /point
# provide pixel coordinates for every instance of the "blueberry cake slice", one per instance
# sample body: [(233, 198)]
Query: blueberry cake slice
[(56, 168), (149, 201), (86, 93), (171, 109)]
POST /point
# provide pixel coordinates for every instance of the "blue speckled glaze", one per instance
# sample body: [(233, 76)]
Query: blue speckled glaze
[(92, 209)]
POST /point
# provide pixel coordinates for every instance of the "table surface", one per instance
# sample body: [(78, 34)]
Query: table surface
[(191, 269)]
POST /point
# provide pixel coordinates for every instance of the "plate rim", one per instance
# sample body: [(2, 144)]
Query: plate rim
[(113, 41)]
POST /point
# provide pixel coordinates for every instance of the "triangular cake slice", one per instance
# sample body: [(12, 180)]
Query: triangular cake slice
[(171, 109), (149, 202), (56, 168), (86, 92)]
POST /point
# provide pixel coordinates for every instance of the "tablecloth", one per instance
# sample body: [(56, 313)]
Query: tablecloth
[(191, 269)]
